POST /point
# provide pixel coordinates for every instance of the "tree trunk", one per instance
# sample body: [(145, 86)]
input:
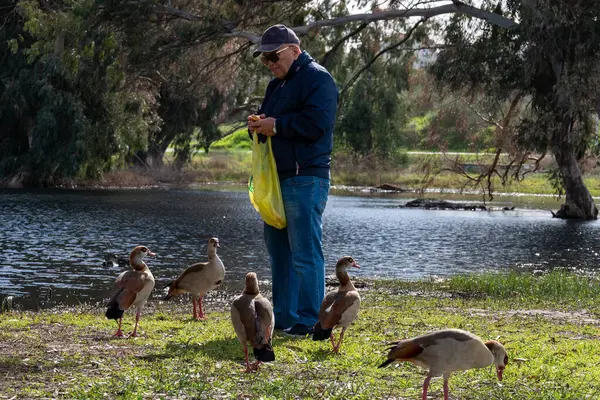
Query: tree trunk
[(154, 157), (578, 201)]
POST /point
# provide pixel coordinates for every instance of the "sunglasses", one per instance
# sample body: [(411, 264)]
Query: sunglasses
[(273, 57)]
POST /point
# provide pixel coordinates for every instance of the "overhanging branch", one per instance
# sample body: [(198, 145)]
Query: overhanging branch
[(453, 8), (323, 60), (491, 17)]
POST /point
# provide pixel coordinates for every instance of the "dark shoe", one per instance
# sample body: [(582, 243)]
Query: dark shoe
[(299, 330)]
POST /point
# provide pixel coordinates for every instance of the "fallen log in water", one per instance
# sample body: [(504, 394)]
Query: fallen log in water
[(434, 204)]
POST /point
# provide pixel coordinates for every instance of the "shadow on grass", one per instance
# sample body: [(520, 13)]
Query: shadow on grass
[(218, 349), (14, 366), (230, 349)]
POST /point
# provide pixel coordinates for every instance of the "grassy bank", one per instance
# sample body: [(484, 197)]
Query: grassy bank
[(549, 324)]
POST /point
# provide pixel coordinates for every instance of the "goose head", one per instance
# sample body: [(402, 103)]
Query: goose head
[(342, 266), (136, 256), (500, 356), (213, 244), (251, 283)]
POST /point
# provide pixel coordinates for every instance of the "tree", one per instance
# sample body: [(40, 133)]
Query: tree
[(60, 112), (552, 58)]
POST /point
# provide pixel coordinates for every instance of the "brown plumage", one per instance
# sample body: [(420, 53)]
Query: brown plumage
[(340, 307), (199, 278), (132, 288), (253, 320), (446, 351)]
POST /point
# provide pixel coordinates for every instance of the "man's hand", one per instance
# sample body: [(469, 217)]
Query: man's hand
[(261, 124)]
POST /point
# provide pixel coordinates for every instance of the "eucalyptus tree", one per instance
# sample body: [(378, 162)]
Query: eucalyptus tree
[(87, 84), (61, 112), (552, 60)]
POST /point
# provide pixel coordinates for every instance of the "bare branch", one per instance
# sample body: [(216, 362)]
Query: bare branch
[(483, 179), (389, 48), (454, 8), (336, 46), (176, 12), (251, 37), (488, 121)]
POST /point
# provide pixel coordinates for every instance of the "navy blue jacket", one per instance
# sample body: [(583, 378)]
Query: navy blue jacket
[(304, 103)]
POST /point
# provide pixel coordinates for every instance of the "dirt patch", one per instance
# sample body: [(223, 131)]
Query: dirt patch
[(50, 355)]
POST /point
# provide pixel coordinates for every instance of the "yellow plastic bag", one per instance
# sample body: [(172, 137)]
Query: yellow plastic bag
[(263, 185)]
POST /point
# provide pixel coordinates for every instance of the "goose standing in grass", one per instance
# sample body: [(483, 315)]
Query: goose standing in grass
[(199, 278), (253, 320), (133, 289), (340, 307), (446, 351)]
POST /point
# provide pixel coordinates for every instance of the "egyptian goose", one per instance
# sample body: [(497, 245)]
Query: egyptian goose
[(133, 288), (113, 260), (253, 320), (446, 351), (340, 307), (199, 278)]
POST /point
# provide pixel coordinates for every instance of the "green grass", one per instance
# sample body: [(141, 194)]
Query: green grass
[(553, 355), (559, 289), (238, 140)]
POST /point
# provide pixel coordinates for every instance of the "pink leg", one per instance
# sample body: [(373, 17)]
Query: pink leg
[(336, 349), (194, 303), (248, 368), (119, 331), (332, 338), (446, 391), (201, 313), (426, 386), (137, 319)]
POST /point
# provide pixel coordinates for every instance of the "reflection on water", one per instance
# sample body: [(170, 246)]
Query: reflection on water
[(59, 238)]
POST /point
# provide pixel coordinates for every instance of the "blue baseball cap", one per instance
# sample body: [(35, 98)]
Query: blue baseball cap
[(274, 37)]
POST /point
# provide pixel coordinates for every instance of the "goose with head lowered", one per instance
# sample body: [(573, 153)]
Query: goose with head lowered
[(253, 320), (199, 278), (133, 288), (339, 307), (446, 351)]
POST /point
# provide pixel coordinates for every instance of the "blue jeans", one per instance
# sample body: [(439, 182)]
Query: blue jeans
[(297, 263)]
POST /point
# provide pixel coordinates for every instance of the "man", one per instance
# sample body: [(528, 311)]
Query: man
[(298, 112)]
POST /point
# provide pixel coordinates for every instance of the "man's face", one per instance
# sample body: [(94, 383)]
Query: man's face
[(287, 54)]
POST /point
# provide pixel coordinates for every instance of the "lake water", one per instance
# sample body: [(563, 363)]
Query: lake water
[(59, 238)]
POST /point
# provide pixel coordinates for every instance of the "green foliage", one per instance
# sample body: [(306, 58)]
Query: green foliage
[(556, 181), (60, 114), (238, 140), (372, 116)]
